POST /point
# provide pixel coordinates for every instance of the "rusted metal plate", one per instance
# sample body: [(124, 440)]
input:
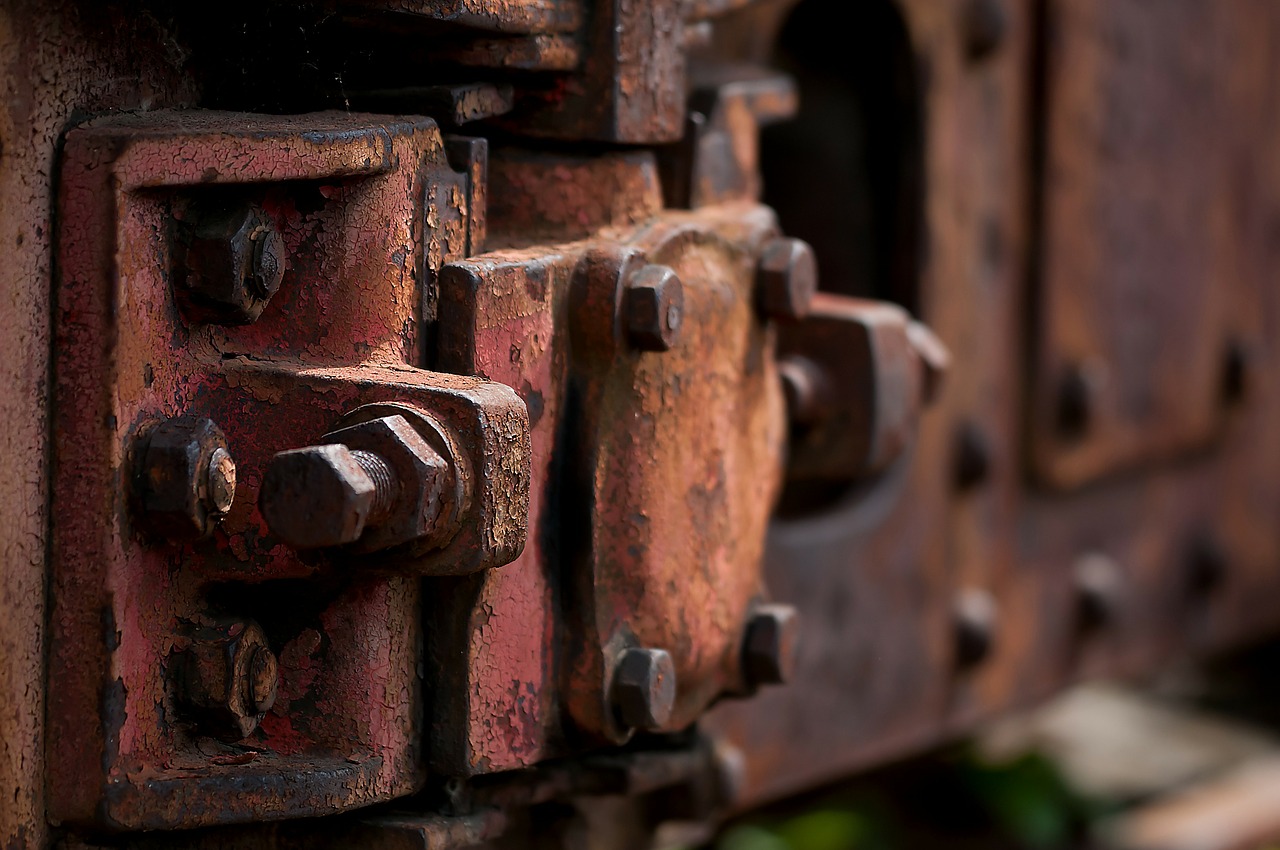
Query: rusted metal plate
[(53, 86), (892, 576), (1135, 326), (552, 322), (506, 16), (718, 159), (856, 386), (349, 197), (631, 87), (679, 466)]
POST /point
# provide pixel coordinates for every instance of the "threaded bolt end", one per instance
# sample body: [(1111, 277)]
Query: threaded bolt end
[(385, 486)]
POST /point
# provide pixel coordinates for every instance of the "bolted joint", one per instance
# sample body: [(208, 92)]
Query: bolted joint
[(228, 678), (786, 279), (233, 264), (185, 480), (653, 308), (769, 646), (317, 496), (377, 484), (644, 689)]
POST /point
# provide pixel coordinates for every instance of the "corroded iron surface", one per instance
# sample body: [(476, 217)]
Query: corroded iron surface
[(587, 468)]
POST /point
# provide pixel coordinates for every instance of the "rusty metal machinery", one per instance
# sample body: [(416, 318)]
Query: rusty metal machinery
[(434, 424)]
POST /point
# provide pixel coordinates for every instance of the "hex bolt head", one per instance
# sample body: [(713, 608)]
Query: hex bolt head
[(229, 678), (653, 308), (974, 623), (786, 279), (233, 265), (769, 646), (1207, 565), (185, 480), (644, 688), (1098, 588), (317, 496), (1234, 380)]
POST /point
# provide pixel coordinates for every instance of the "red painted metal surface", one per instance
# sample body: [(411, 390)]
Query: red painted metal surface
[(348, 195)]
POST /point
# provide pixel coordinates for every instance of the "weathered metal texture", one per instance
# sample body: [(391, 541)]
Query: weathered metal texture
[(1193, 542), (344, 729), (505, 16), (493, 635), (631, 86), (485, 425), (1136, 323), (679, 460), (541, 52), (499, 317), (857, 391), (552, 198), (945, 590), (717, 159), (937, 607), (881, 575), (57, 67), (642, 569)]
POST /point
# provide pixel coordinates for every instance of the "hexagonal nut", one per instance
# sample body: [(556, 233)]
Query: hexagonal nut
[(315, 497), (644, 688), (229, 678), (786, 279), (653, 308), (422, 509), (186, 479), (769, 645), (233, 265)]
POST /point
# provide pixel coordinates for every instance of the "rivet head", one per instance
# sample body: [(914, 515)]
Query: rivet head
[(1076, 403), (1207, 565), (1098, 582), (975, 622), (972, 457)]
